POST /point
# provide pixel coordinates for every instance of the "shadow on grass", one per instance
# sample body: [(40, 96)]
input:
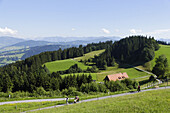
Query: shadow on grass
[(144, 82)]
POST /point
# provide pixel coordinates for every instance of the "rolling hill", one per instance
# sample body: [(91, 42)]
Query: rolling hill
[(32, 43), (7, 57), (164, 49)]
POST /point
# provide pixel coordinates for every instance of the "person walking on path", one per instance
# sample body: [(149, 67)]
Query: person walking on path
[(76, 99), (67, 100), (138, 88)]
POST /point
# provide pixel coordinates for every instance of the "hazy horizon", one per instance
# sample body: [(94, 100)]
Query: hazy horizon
[(76, 18)]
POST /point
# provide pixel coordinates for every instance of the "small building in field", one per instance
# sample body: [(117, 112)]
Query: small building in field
[(118, 76)]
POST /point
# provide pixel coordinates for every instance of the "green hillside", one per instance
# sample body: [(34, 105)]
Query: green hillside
[(144, 102), (89, 55), (61, 65), (164, 49)]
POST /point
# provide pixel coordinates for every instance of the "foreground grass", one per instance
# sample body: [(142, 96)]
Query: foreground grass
[(21, 107), (61, 65), (143, 102)]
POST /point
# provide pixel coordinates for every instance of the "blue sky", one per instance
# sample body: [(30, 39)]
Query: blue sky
[(75, 18)]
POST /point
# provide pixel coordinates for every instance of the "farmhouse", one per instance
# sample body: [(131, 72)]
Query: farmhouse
[(114, 77)]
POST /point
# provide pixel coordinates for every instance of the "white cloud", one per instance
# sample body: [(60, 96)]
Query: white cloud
[(117, 30), (7, 31), (106, 31), (160, 31), (134, 31), (73, 29)]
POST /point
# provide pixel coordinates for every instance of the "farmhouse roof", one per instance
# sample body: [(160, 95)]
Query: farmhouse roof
[(118, 76)]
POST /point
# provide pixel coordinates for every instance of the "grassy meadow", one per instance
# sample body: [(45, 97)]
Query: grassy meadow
[(21, 107), (143, 102), (164, 49), (61, 65), (89, 55)]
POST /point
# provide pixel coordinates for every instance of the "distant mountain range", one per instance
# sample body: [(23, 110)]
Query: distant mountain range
[(38, 49), (74, 39), (13, 41), (6, 41), (166, 40), (32, 43)]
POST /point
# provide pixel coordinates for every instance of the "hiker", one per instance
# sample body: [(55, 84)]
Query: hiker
[(138, 88), (76, 99), (67, 100)]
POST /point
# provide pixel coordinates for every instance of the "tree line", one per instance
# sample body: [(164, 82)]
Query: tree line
[(132, 50), (28, 74)]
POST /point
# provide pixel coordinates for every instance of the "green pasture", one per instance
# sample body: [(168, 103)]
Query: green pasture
[(61, 65), (89, 55)]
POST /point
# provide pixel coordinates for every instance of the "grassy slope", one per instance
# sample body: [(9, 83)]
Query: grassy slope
[(150, 101), (61, 65), (89, 55), (164, 49), (21, 107), (133, 73)]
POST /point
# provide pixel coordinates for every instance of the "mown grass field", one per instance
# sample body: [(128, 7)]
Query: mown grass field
[(143, 102), (61, 65), (89, 55), (164, 49)]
